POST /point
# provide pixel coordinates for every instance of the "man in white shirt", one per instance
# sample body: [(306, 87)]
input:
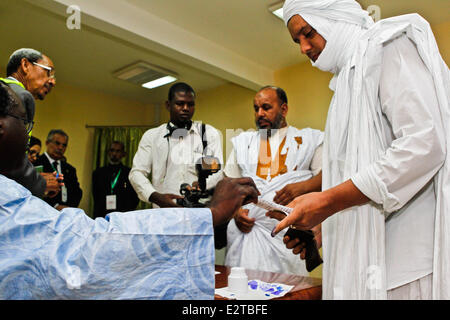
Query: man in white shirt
[(169, 152), (284, 162), (385, 166)]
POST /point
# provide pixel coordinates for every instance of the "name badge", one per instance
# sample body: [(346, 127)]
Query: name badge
[(111, 202), (64, 194)]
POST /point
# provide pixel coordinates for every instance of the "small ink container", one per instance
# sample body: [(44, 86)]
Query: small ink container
[(237, 280)]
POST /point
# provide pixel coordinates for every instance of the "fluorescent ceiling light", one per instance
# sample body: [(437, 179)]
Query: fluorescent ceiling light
[(159, 82), (277, 9)]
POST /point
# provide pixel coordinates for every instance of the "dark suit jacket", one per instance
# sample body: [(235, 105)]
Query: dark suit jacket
[(26, 97), (126, 198), (74, 191), (25, 174)]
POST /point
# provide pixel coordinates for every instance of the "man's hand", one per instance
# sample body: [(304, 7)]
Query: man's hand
[(289, 193), (229, 195), (295, 245), (165, 200), (293, 190), (312, 208), (309, 210), (53, 184), (195, 186), (243, 222)]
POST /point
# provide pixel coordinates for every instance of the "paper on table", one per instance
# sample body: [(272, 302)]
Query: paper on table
[(257, 290)]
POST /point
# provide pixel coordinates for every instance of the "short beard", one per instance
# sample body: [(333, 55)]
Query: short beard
[(275, 125)]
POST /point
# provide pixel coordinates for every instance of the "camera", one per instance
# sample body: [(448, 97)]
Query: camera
[(205, 166)]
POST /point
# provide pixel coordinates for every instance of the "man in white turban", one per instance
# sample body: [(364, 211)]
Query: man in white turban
[(385, 204)]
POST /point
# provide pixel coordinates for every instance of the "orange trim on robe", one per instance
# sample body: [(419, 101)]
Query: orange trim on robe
[(267, 167)]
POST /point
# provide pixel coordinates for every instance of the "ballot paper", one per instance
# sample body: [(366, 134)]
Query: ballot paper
[(272, 206), (257, 290)]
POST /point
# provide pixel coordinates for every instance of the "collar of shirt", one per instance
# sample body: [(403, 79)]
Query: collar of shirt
[(58, 168), (275, 140), (12, 78), (195, 128), (279, 134), (49, 158)]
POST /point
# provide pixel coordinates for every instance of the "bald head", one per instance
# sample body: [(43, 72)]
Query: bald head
[(270, 105)]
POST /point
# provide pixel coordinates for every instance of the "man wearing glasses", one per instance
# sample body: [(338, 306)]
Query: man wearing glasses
[(53, 161), (30, 74)]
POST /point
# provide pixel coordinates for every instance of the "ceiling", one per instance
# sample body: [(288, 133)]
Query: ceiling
[(206, 42)]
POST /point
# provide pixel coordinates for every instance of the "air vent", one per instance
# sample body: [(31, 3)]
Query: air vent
[(141, 73)]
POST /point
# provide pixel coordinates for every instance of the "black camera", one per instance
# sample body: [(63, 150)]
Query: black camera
[(205, 167)]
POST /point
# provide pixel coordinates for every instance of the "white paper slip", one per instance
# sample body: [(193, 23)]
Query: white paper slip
[(271, 206), (257, 290)]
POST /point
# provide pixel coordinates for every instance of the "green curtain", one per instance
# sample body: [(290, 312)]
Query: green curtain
[(103, 136)]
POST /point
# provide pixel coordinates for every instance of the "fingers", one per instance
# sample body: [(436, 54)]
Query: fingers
[(286, 222), (243, 217), (175, 196), (277, 197), (276, 215), (296, 246), (244, 226), (281, 197), (247, 181), (243, 221), (284, 201), (248, 222), (250, 194)]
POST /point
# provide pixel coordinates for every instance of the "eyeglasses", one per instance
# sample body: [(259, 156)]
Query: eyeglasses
[(28, 124), (50, 71), (59, 143)]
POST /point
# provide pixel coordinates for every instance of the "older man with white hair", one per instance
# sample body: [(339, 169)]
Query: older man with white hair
[(384, 208)]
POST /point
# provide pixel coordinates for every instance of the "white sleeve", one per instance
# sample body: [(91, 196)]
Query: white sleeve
[(214, 148), (232, 169), (409, 102), (141, 169), (316, 162)]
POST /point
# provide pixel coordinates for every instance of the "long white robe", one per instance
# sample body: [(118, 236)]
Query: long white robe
[(392, 150), (391, 137), (257, 249)]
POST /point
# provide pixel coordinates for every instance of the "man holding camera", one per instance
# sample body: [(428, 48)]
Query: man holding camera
[(169, 152)]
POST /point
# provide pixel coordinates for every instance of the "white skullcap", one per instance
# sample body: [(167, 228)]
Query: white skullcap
[(339, 10)]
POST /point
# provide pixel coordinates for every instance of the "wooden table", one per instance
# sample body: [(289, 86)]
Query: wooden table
[(305, 288)]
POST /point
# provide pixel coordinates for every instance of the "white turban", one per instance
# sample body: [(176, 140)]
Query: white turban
[(339, 10), (339, 22)]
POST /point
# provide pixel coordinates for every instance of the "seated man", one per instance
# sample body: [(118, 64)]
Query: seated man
[(284, 162), (147, 254)]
